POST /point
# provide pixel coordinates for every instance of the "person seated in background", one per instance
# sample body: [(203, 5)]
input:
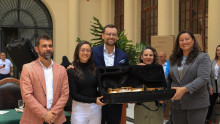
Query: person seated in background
[(6, 67), (86, 106)]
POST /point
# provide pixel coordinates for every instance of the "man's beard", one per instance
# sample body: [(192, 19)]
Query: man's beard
[(46, 55), (113, 44)]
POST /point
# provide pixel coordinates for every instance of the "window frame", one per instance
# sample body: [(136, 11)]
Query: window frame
[(149, 13), (193, 12)]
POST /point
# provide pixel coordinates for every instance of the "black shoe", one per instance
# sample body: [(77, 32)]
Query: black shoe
[(170, 122)]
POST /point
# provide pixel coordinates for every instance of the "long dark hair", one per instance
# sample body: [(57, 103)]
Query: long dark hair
[(154, 52), (177, 55), (76, 61), (216, 57)]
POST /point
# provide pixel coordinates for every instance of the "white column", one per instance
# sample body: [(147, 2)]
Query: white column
[(111, 11), (104, 12), (164, 17), (175, 17), (137, 22), (73, 27), (213, 26), (129, 19)]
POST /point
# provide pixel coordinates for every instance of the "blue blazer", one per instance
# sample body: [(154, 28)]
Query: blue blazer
[(121, 58)]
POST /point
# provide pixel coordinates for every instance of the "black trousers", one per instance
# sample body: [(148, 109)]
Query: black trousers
[(212, 99), (2, 76), (111, 114)]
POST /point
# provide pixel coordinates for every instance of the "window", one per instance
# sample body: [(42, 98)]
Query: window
[(149, 17), (194, 17), (119, 14), (26, 19)]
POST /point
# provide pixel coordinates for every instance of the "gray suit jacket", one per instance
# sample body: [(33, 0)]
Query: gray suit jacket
[(212, 77), (195, 78)]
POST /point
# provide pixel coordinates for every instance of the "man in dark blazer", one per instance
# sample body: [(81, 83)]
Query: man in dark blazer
[(109, 55)]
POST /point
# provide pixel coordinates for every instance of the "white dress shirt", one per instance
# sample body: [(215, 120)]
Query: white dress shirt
[(216, 71), (48, 74), (109, 58), (165, 68)]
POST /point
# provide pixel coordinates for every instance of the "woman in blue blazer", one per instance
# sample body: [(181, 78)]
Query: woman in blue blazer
[(189, 74)]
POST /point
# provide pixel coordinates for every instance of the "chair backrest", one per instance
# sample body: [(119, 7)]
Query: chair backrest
[(10, 93)]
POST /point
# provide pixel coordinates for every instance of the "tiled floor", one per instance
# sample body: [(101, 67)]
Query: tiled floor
[(130, 112)]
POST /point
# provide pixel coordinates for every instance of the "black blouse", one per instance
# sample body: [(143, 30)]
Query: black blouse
[(85, 89)]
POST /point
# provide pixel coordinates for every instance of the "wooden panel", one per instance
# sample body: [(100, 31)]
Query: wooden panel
[(163, 43), (193, 16), (149, 18), (119, 14)]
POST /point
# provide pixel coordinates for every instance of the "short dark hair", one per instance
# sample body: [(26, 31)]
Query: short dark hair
[(108, 26), (1, 53), (154, 52), (216, 57), (43, 37)]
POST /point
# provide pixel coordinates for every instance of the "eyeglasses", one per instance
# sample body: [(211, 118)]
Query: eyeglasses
[(85, 50), (111, 34)]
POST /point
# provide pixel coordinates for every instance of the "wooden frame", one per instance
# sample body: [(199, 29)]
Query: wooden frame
[(193, 16), (11, 80), (149, 20), (119, 14)]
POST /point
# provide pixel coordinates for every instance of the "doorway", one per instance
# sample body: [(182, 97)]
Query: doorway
[(26, 19)]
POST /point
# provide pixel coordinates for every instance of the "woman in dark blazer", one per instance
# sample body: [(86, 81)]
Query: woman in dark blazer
[(214, 81), (189, 74)]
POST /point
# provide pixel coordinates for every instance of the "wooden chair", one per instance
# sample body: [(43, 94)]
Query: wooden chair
[(10, 93)]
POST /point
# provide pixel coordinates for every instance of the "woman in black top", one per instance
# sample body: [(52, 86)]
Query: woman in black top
[(86, 108)]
